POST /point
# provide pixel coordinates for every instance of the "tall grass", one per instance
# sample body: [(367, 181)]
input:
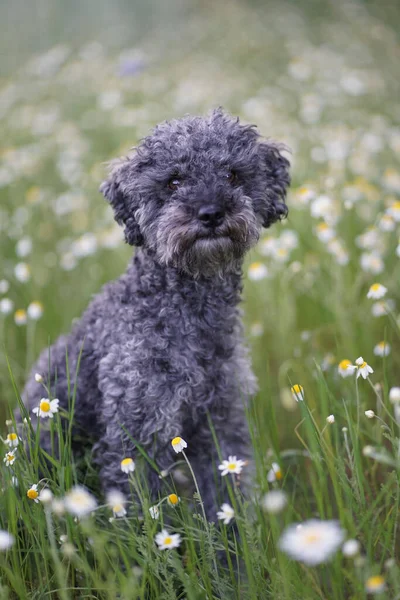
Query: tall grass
[(330, 476)]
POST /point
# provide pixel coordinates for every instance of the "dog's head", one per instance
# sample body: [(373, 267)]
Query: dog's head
[(198, 191)]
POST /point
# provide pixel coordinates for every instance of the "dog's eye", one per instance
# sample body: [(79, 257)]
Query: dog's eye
[(231, 177), (174, 183)]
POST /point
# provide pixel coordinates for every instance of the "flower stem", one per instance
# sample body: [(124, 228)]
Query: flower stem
[(54, 554), (196, 486)]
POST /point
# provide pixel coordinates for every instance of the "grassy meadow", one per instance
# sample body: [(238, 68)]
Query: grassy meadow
[(322, 77)]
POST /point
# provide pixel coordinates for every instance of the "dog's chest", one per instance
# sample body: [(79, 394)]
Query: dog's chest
[(182, 356)]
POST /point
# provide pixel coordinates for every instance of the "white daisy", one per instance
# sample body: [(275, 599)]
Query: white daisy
[(275, 473), (330, 419), (35, 311), (20, 317), (372, 263), (324, 233), (382, 349), (154, 512), (351, 548), (375, 585), (79, 502), (327, 362), (127, 465), (369, 414), (4, 286), (58, 507), (304, 194), (33, 493), (166, 540), (387, 223), (274, 502), (289, 239), (38, 378), (256, 329), (394, 395), (226, 514), (47, 408), (178, 444), (6, 540), (380, 309), (394, 211), (116, 501), (23, 247), (377, 291), (281, 254), (313, 542), (173, 500), (268, 246), (6, 306), (257, 271), (363, 368), (46, 496), (12, 440), (232, 465), (9, 458), (22, 272), (297, 392)]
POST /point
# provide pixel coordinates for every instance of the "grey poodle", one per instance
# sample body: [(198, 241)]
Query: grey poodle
[(163, 352)]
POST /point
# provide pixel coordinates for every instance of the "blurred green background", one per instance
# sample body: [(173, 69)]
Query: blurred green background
[(82, 82)]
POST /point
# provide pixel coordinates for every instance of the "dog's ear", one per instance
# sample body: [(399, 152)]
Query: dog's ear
[(120, 194), (276, 179)]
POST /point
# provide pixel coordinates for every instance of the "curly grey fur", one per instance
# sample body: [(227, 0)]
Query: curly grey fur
[(162, 346)]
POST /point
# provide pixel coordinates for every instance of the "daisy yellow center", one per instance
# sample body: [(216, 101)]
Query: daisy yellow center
[(396, 205), (32, 494), (32, 194), (297, 389), (363, 365), (45, 406), (322, 227), (10, 457), (12, 437), (344, 363), (126, 461), (20, 314), (255, 266), (282, 251), (375, 581), (303, 191), (232, 466), (176, 441), (278, 474), (168, 540), (375, 287), (311, 538), (381, 344), (79, 499), (118, 508), (173, 498)]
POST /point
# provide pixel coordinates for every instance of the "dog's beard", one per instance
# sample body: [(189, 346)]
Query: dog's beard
[(183, 243)]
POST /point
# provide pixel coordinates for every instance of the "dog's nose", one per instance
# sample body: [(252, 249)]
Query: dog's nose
[(211, 215)]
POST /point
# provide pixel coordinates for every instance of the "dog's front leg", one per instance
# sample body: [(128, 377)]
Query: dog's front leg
[(205, 456)]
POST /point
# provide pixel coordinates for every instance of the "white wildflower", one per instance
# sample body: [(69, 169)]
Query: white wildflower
[(79, 502), (226, 514), (232, 465), (313, 542), (47, 408), (274, 501)]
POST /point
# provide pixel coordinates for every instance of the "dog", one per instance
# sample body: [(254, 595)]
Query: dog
[(160, 350)]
